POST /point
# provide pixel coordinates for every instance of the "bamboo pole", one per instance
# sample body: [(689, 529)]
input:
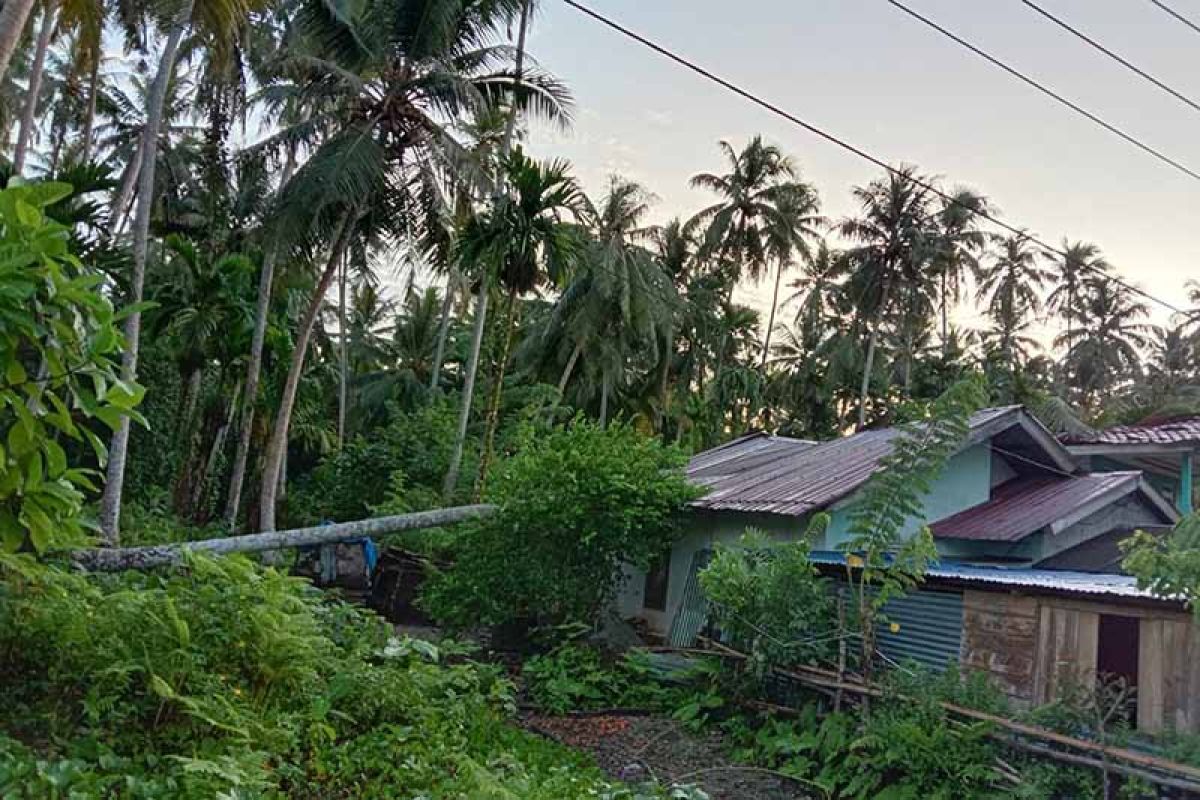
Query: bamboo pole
[(830, 680), (124, 558)]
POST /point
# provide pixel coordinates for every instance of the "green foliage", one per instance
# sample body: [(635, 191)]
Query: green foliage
[(223, 679), (59, 349), (345, 485), (575, 504), (888, 565), (769, 599), (1168, 566), (576, 677)]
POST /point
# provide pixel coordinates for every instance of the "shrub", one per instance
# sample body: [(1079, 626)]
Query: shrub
[(224, 679), (771, 602), (575, 503)]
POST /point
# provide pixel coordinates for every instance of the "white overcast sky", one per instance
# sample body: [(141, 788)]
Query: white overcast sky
[(865, 72)]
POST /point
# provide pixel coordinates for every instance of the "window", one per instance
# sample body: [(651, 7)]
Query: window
[(658, 577)]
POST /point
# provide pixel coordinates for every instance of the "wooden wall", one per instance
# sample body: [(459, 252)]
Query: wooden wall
[(1169, 675), (1032, 646), (1000, 638), (1066, 651)]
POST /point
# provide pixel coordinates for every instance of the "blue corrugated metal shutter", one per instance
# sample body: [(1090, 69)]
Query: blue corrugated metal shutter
[(930, 628), (692, 613)]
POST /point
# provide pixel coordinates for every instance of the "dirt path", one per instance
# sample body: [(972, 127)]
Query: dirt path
[(636, 748)]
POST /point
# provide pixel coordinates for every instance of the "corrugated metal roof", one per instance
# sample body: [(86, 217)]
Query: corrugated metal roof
[(1024, 506), (770, 474), (1176, 431), (1057, 581)]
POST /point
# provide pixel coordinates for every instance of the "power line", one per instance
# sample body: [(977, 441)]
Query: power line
[(863, 154), (1132, 67), (1046, 91), (1177, 15)]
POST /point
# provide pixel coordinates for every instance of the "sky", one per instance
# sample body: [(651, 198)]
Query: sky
[(870, 74)]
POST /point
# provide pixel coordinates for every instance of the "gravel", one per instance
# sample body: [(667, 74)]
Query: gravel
[(635, 748)]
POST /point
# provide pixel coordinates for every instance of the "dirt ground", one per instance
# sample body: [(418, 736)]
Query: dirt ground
[(636, 748)]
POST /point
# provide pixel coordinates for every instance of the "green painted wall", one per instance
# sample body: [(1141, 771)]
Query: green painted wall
[(965, 482)]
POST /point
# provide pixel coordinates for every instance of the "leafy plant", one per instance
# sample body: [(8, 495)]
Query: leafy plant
[(575, 504), (1169, 566), (59, 349), (769, 599), (881, 564)]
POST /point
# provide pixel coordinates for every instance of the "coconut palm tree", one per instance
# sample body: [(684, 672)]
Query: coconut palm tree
[(1107, 348), (528, 239), (797, 224), (110, 510), (1078, 261), (894, 240), (622, 302), (392, 72), (960, 242), (747, 229)]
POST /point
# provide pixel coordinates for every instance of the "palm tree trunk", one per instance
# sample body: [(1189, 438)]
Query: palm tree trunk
[(439, 350), (869, 363), (771, 318), (36, 70), (343, 354), (89, 123), (664, 377), (945, 320), (218, 444), (129, 180), (262, 313), (468, 392), (464, 414), (277, 445), (511, 124), (110, 509), (493, 412), (13, 16), (604, 400), (570, 368)]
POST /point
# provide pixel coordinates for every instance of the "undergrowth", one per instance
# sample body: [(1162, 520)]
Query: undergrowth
[(222, 679)]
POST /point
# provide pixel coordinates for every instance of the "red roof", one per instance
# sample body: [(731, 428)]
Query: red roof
[(1024, 506), (1184, 430)]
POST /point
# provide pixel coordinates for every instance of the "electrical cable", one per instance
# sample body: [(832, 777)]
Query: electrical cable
[(863, 154), (1046, 91), (1132, 67)]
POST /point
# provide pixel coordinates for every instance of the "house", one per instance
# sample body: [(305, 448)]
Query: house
[(1164, 450), (1034, 631), (1013, 495)]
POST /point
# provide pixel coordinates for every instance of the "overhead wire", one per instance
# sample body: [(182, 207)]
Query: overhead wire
[(854, 149), (1177, 15), (1108, 126), (1114, 56)]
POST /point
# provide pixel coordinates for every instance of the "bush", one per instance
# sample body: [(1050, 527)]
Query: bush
[(575, 503), (771, 602), (224, 679)]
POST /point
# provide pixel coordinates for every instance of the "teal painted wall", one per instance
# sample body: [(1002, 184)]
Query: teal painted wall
[(965, 482)]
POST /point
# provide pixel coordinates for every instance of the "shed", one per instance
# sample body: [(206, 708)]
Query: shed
[(1033, 631)]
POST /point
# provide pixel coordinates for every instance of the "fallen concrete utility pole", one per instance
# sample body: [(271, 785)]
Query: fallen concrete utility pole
[(122, 558)]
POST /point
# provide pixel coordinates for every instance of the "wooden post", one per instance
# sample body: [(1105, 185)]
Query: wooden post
[(1184, 501), (841, 660)]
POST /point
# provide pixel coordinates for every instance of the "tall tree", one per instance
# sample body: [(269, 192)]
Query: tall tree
[(526, 240), (788, 236), (110, 510), (1109, 341), (1078, 262), (1011, 286), (894, 241)]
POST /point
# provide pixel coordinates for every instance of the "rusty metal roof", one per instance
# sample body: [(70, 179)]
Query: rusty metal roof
[(1182, 430), (775, 475), (1025, 506)]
